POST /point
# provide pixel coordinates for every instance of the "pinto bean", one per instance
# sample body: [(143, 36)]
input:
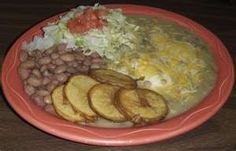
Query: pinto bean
[(37, 73), (47, 99), (147, 84), (51, 67), (78, 50), (43, 68), (30, 54), (79, 57), (72, 63), (103, 65), (60, 69), (38, 100), (67, 57), (71, 70), (61, 77), (44, 60), (45, 81), (68, 74), (56, 82), (61, 52), (37, 54), (42, 92), (55, 55), (24, 73), (58, 62), (25, 82), (79, 62), (97, 60), (50, 109), (29, 89), (83, 69), (50, 86), (23, 56), (28, 64), (34, 81), (49, 51), (46, 73), (87, 62), (95, 66), (61, 47), (163, 81), (94, 55)]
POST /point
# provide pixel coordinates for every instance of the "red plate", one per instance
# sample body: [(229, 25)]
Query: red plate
[(13, 90)]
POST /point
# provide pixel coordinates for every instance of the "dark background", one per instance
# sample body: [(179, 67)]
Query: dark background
[(217, 134)]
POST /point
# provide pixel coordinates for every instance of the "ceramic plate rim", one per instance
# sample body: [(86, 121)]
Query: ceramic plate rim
[(122, 137)]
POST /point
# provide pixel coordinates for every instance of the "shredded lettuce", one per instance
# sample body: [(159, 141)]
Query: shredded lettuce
[(117, 33)]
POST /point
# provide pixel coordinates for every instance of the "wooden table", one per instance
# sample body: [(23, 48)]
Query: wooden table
[(217, 134)]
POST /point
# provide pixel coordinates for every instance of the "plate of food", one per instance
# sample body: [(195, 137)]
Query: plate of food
[(117, 75)]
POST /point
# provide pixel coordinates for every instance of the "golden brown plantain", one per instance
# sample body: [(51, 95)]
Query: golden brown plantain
[(114, 78), (101, 100), (76, 91), (141, 105), (63, 108)]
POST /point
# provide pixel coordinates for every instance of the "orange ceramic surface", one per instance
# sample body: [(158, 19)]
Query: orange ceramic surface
[(21, 103)]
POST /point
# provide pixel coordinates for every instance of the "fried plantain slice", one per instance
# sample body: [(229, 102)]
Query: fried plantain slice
[(101, 100), (141, 105), (114, 78), (76, 91), (64, 108)]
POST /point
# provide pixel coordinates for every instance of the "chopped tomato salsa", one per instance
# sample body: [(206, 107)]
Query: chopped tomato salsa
[(90, 19)]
